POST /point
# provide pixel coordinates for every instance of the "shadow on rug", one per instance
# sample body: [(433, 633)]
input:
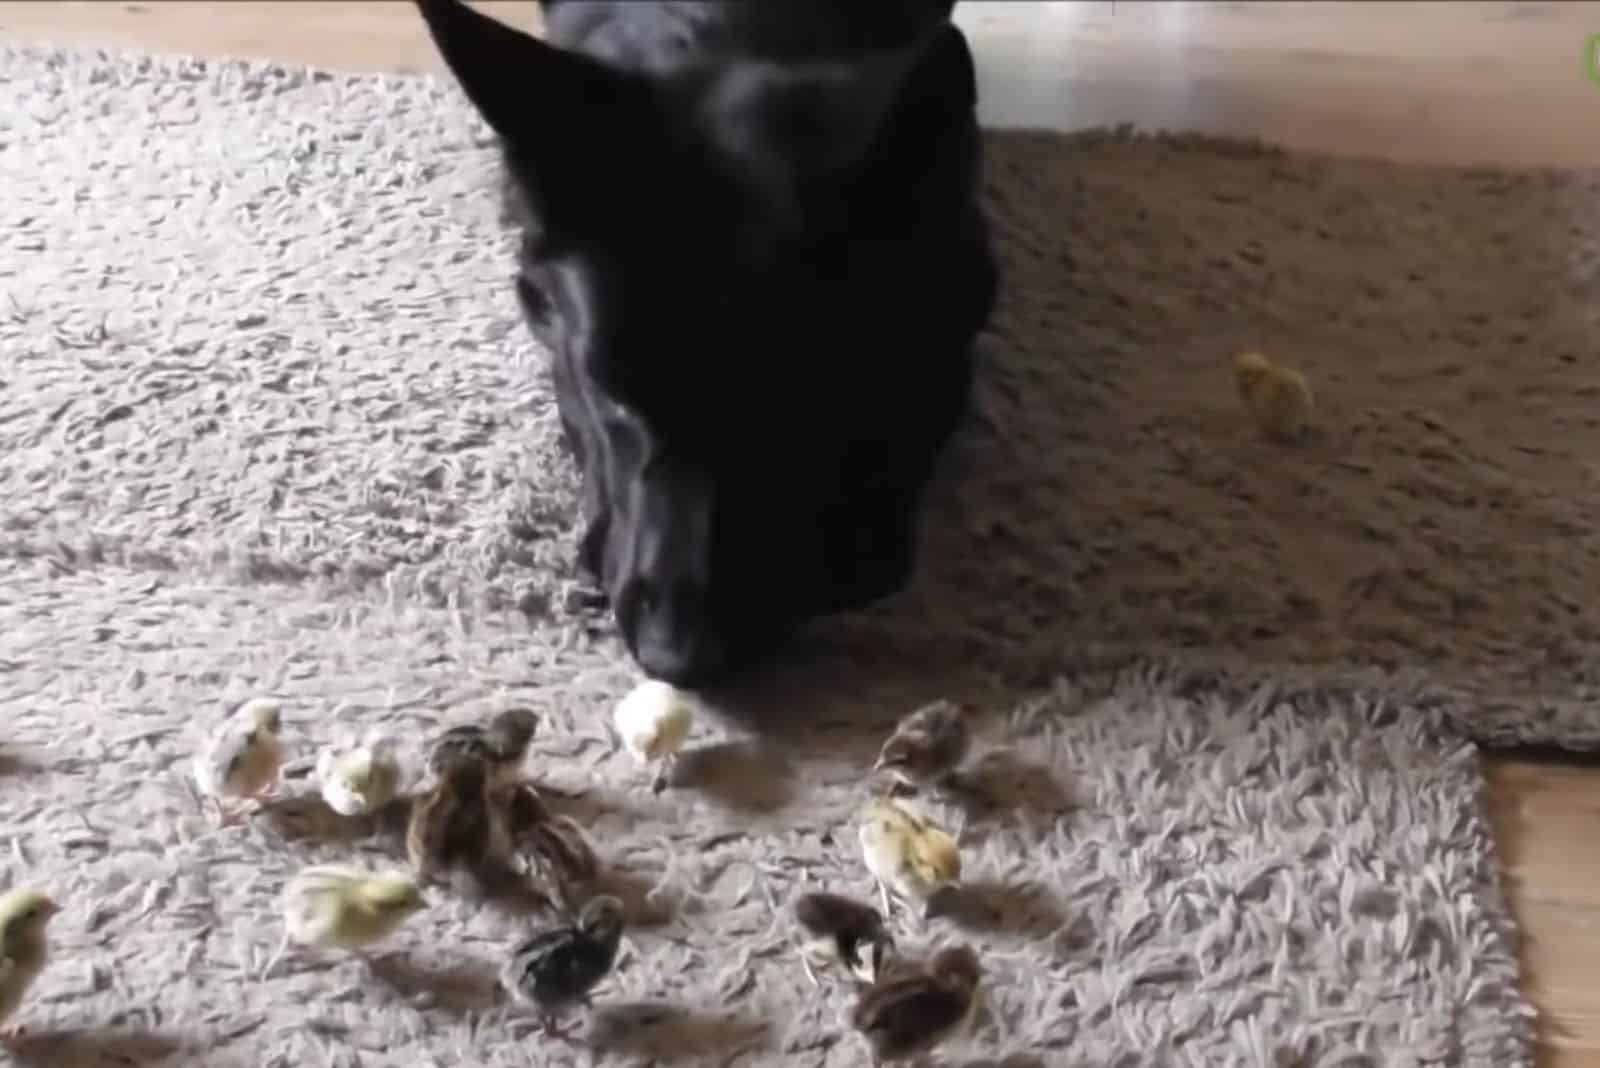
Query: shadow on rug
[(269, 422)]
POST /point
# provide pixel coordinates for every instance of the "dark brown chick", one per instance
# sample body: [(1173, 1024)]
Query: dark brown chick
[(927, 746), (842, 930), (911, 1010), (454, 828), (501, 743)]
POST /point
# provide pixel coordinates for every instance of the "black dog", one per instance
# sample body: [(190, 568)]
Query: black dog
[(753, 245)]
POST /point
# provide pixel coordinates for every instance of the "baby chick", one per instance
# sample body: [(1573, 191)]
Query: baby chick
[(554, 848), (911, 1010), (241, 760), (927, 746), (1278, 397), (557, 968), (840, 929), (562, 857), (906, 851), (359, 780), (653, 721), (521, 806), (24, 948), (454, 825), (335, 907), (501, 744)]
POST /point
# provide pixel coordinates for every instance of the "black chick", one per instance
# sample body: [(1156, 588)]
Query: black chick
[(501, 744), (911, 1010), (842, 929), (555, 969)]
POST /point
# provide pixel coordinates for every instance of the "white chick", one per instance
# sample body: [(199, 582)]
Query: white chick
[(334, 907), (1278, 397), (241, 760), (24, 949), (359, 780), (653, 721)]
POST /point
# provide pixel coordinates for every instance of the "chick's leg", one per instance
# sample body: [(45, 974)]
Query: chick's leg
[(277, 955), (227, 816), (805, 962), (663, 775)]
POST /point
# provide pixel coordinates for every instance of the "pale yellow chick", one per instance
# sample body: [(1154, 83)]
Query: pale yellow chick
[(334, 907), (24, 949), (906, 852), (1278, 397), (359, 780), (241, 758), (652, 722)]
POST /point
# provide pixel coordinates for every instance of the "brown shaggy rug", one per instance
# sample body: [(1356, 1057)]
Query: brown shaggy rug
[(269, 423)]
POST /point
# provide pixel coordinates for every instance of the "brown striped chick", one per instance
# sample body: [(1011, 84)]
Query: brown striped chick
[(911, 1010), (906, 852), (455, 829), (1278, 397), (554, 849), (24, 949), (562, 859), (241, 759), (927, 747), (841, 930), (501, 744)]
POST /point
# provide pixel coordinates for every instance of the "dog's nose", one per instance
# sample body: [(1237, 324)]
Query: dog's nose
[(681, 656)]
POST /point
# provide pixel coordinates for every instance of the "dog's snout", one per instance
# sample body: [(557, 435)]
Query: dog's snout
[(682, 660), (670, 633)]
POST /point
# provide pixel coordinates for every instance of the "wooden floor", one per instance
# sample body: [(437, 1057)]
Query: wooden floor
[(1465, 82)]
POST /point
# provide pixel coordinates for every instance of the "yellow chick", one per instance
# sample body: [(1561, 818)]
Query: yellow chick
[(334, 907), (1278, 397), (653, 721), (240, 760), (24, 948), (359, 780), (906, 851)]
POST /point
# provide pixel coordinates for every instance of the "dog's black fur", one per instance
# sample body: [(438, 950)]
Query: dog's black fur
[(752, 243)]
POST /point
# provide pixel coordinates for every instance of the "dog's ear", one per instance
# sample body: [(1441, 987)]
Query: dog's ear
[(820, 130), (562, 117), (935, 86), (932, 96)]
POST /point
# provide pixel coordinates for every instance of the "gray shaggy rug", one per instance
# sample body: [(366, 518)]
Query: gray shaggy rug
[(269, 423)]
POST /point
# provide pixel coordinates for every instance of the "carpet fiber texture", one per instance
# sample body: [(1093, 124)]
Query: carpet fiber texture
[(269, 423)]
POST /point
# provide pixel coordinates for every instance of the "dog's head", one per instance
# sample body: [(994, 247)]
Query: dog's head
[(759, 284)]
